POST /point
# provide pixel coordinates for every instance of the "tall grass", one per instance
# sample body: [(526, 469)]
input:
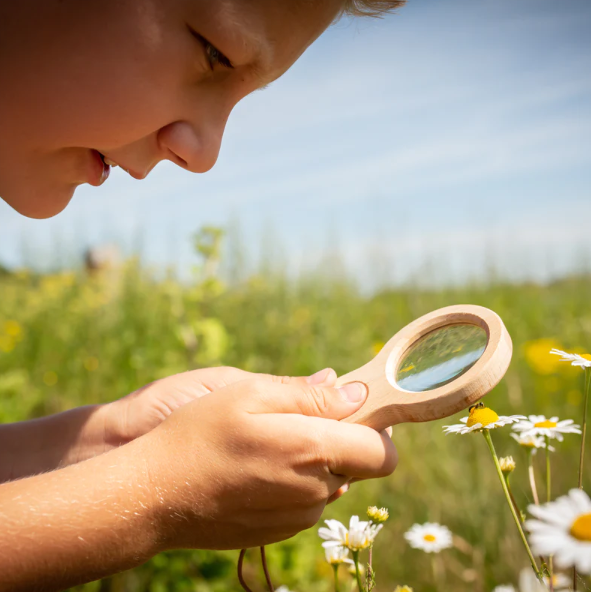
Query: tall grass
[(71, 338)]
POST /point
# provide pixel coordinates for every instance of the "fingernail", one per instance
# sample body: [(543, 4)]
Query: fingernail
[(354, 392), (319, 377)]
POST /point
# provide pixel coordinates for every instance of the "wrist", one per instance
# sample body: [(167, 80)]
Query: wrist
[(154, 478), (48, 443)]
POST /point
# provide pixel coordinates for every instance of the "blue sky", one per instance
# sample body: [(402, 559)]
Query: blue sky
[(455, 133)]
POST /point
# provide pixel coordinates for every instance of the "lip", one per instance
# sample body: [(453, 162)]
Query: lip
[(98, 171)]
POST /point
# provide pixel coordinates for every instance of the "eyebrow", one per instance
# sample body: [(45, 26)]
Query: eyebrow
[(258, 51)]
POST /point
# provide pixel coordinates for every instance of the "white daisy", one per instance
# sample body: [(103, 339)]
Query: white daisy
[(283, 589), (529, 441), (574, 359), (429, 537), (507, 588), (563, 529), (540, 425), (337, 555), (481, 418), (360, 535), (528, 582)]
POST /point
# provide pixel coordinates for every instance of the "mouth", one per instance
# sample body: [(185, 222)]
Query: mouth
[(108, 164)]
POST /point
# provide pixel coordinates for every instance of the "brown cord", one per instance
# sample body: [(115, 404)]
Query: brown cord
[(267, 576), (240, 576)]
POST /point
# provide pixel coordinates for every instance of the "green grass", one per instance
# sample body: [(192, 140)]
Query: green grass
[(69, 339)]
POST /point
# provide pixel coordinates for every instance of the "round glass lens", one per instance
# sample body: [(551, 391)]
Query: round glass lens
[(440, 357)]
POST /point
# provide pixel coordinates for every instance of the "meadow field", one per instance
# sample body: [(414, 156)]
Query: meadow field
[(74, 338)]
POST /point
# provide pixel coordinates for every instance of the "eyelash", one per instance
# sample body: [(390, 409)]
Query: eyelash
[(214, 55)]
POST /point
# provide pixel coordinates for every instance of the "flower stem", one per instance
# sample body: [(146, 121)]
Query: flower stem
[(437, 571), (548, 475), (532, 478), (587, 381), (487, 437), (368, 574), (335, 568), (513, 500), (548, 496), (357, 574), (582, 456)]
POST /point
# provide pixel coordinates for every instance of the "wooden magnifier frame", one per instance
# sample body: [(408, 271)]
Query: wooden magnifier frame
[(387, 404)]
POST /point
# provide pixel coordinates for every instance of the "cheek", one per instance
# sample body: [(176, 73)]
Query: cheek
[(104, 90)]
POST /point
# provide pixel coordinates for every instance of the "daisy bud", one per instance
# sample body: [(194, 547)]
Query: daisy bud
[(403, 589), (377, 515), (507, 464), (351, 569)]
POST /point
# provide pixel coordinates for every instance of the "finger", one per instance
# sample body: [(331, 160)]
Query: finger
[(297, 395), (325, 377), (338, 493), (207, 380), (359, 452)]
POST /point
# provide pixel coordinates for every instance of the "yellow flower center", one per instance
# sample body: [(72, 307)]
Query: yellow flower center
[(545, 424), (429, 538), (484, 416), (581, 528)]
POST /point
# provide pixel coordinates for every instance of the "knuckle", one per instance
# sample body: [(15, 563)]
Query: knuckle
[(319, 401), (315, 446), (258, 385), (279, 379)]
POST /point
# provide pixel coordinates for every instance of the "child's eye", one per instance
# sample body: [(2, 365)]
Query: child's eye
[(214, 55)]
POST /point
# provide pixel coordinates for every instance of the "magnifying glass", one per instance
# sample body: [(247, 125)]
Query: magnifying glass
[(434, 367)]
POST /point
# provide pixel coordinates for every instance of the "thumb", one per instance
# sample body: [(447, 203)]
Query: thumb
[(297, 395)]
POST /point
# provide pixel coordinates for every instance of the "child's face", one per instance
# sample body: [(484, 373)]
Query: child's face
[(134, 81)]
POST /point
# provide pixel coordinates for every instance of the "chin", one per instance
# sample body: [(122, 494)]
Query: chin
[(39, 203)]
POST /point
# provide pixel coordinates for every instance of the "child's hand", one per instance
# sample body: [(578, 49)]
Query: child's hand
[(144, 409), (257, 461)]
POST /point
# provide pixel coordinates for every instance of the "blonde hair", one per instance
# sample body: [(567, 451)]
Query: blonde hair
[(371, 7)]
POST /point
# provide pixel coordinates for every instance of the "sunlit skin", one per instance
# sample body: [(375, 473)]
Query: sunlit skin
[(135, 81), (216, 458)]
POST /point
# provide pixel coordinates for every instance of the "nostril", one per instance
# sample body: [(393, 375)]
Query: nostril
[(177, 159)]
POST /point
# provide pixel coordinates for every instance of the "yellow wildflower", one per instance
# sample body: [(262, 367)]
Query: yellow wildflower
[(538, 356), (377, 515)]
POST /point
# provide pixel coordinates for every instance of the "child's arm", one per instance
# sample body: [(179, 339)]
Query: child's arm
[(40, 445), (251, 464), (44, 444)]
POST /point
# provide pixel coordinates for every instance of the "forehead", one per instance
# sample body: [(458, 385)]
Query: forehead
[(268, 34)]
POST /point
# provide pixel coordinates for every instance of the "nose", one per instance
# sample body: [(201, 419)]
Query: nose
[(196, 149)]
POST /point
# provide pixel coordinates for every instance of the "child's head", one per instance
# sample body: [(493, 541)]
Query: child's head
[(135, 82)]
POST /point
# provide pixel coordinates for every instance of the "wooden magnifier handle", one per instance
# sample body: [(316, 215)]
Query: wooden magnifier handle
[(388, 404)]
